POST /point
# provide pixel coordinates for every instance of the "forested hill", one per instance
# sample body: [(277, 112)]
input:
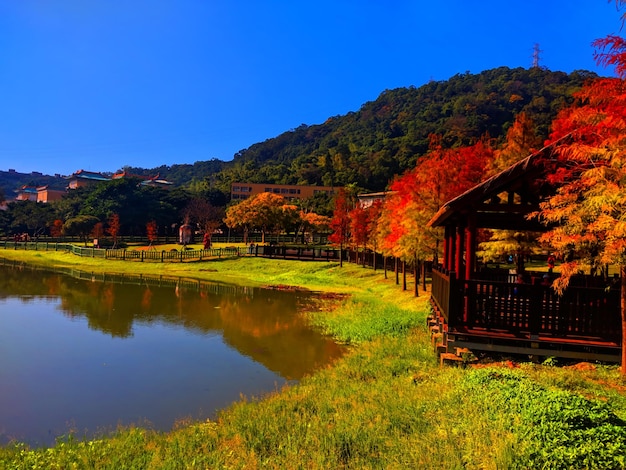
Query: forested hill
[(386, 136)]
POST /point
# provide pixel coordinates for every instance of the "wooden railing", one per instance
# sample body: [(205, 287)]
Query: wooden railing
[(446, 294), (581, 312), (173, 255), (300, 253)]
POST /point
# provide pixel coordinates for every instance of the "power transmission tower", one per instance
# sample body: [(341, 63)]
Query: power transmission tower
[(536, 52)]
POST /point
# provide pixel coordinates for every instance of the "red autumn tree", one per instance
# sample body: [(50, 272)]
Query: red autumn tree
[(113, 228), (340, 222), (56, 229), (97, 232), (438, 177), (359, 228), (152, 231), (207, 216), (375, 213)]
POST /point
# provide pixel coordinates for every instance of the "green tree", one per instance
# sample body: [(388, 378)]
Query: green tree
[(30, 217), (80, 226)]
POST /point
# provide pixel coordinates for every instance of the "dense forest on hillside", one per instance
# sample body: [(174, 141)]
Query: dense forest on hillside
[(12, 180), (386, 137)]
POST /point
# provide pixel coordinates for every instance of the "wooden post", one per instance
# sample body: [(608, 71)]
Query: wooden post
[(470, 246), (451, 241), (453, 301), (458, 266)]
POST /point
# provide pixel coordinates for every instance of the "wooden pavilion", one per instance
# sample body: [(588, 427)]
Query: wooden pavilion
[(488, 309)]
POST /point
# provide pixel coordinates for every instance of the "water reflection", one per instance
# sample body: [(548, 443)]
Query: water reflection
[(154, 328)]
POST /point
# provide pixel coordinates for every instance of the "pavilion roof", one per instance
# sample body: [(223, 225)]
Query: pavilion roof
[(504, 200)]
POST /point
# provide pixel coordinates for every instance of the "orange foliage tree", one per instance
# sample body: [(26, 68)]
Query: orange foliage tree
[(589, 208), (264, 211), (312, 223), (521, 141)]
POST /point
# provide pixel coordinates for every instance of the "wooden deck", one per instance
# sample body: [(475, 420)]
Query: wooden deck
[(506, 317)]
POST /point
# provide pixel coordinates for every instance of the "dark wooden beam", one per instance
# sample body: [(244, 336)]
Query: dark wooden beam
[(522, 209)]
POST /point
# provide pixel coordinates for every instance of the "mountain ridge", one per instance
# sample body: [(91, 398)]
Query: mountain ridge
[(384, 138)]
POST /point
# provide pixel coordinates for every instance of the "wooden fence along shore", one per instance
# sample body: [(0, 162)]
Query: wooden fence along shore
[(182, 255)]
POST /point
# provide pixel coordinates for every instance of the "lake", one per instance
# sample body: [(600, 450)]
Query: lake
[(82, 353)]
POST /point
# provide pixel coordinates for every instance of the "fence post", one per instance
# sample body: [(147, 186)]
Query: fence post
[(162, 255), (142, 252)]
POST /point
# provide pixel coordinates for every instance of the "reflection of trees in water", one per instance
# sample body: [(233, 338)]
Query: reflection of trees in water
[(262, 324)]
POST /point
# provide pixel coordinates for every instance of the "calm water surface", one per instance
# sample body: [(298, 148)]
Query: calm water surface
[(84, 356)]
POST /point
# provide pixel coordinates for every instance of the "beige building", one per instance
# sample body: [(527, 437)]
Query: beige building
[(367, 199), (46, 194), (288, 191), (38, 194)]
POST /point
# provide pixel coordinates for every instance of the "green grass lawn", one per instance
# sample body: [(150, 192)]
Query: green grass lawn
[(385, 404)]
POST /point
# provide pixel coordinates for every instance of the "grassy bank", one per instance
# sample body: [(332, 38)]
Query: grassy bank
[(386, 404)]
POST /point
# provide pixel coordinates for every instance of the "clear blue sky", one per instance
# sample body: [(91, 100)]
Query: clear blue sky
[(101, 84)]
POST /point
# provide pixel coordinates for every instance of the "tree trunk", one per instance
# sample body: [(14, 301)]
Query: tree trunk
[(395, 267), (403, 275), (416, 277), (622, 272)]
